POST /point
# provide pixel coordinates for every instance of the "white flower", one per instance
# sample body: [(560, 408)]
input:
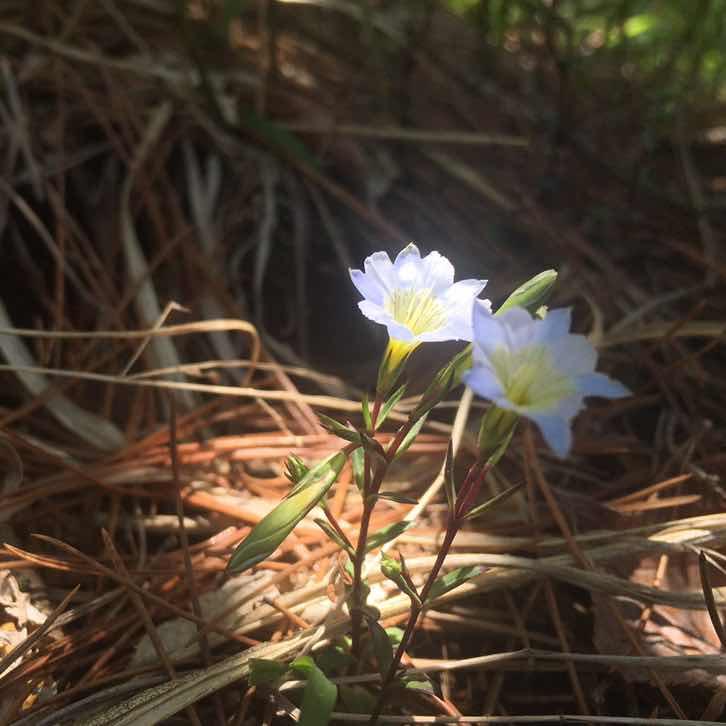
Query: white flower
[(417, 299), (537, 369)]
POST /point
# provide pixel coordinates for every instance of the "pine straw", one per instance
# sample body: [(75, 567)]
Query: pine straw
[(134, 173)]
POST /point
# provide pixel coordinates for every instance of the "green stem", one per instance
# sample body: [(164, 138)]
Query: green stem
[(370, 489)]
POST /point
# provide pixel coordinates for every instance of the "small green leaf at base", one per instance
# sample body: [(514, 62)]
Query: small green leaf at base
[(319, 696), (381, 645), (265, 672)]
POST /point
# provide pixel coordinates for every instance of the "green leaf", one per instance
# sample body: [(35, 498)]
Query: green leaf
[(395, 635), (333, 660), (390, 404), (344, 432), (356, 699), (266, 672), (387, 534), (395, 497), (336, 537), (366, 413), (271, 532), (447, 378), (531, 294), (410, 437), (417, 681), (357, 461), (496, 499), (295, 468), (319, 696), (452, 579), (381, 646)]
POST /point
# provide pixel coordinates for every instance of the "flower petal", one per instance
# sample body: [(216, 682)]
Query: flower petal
[(518, 327), (459, 301), (379, 315), (489, 331), (408, 268), (483, 381), (369, 286), (556, 324), (556, 432), (380, 269), (598, 384), (374, 312), (574, 355), (438, 272)]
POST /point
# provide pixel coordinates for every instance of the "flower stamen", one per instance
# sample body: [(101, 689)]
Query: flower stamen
[(418, 310)]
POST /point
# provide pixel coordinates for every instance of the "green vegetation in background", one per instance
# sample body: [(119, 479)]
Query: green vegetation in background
[(674, 47)]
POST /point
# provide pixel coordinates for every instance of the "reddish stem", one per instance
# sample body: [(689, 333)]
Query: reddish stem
[(467, 496)]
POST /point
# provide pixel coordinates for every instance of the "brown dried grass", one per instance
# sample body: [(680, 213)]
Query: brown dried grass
[(126, 183)]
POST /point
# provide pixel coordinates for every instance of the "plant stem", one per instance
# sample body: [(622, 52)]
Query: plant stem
[(370, 489), (467, 497)]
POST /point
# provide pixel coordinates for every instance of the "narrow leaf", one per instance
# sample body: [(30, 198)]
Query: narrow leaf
[(366, 413), (390, 404), (319, 696), (336, 537), (387, 534), (396, 497), (410, 436), (357, 461), (339, 429), (270, 533), (295, 469), (493, 502), (451, 580)]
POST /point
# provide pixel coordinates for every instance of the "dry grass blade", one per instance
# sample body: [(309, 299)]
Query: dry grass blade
[(239, 158)]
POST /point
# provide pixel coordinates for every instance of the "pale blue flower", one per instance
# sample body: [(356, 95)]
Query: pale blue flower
[(416, 298), (537, 369)]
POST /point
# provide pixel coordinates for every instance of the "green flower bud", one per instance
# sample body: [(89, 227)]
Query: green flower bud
[(272, 531), (531, 294)]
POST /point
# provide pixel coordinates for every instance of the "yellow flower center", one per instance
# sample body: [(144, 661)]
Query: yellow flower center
[(418, 310), (530, 377)]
